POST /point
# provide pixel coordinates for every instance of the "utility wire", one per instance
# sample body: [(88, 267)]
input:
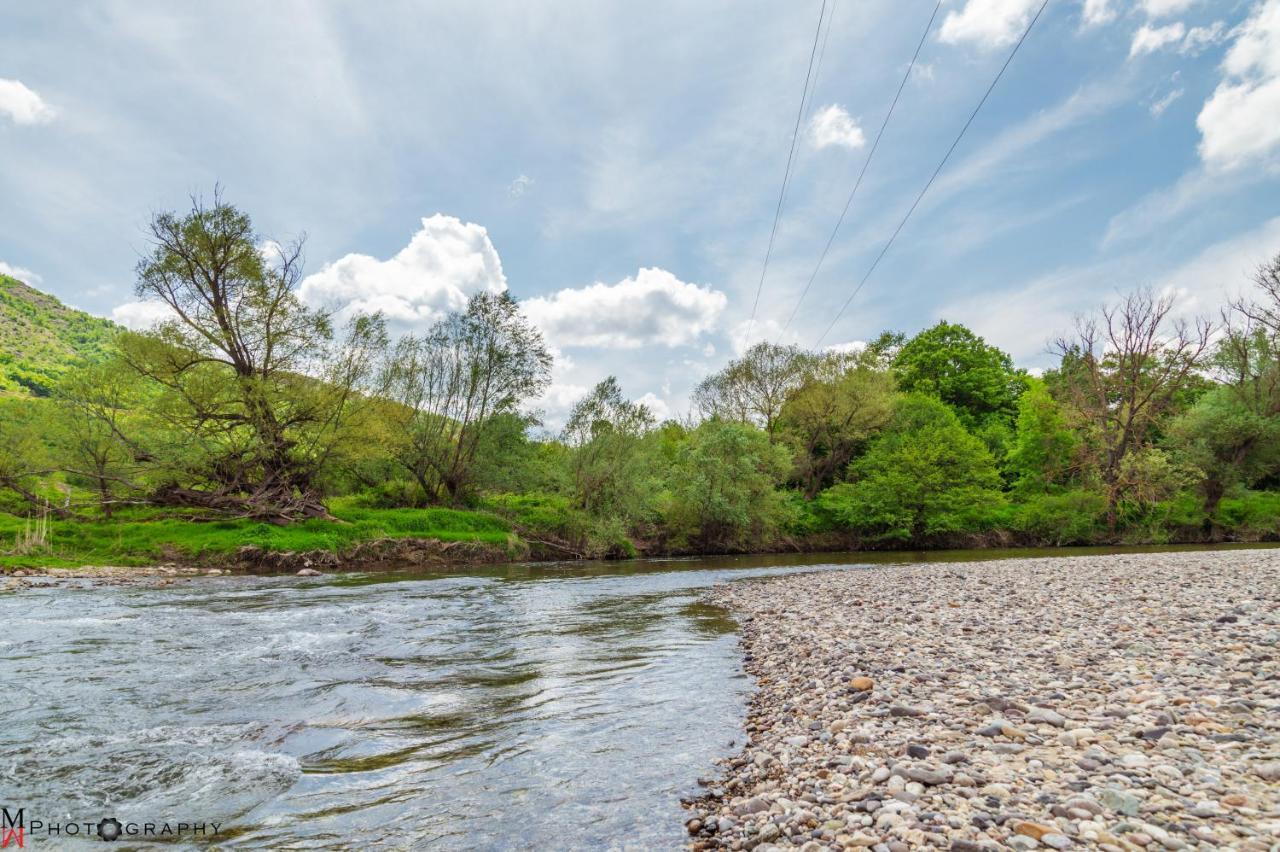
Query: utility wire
[(935, 174), (822, 52), (786, 176), (866, 163)]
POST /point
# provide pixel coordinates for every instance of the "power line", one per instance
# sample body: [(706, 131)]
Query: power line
[(874, 145), (935, 174), (786, 176), (822, 52)]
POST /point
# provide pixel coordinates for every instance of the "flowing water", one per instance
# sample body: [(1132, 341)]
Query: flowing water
[(539, 707)]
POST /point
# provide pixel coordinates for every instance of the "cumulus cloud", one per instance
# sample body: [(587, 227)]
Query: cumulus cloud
[(1238, 122), (653, 307), (832, 125), (658, 407), (987, 23), (22, 105), (140, 316), (24, 275), (1097, 12), (1149, 39), (1165, 8), (445, 263)]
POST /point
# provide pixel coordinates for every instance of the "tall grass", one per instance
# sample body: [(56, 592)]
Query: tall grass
[(141, 539)]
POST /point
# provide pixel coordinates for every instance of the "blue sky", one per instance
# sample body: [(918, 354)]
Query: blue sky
[(617, 165)]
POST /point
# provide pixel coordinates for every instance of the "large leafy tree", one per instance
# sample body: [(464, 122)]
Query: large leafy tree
[(960, 368), (925, 476), (465, 377), (610, 459), (1044, 454), (252, 379), (754, 388), (722, 486), (832, 414)]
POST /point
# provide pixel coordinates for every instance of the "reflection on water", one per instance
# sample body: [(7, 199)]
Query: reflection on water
[(545, 706), (528, 706)]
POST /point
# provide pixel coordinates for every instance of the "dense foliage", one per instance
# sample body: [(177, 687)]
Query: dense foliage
[(248, 412)]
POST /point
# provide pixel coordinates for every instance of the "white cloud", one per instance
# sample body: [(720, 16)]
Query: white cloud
[(24, 275), (849, 347), (445, 263), (832, 125), (657, 406), (519, 186), (1165, 8), (1238, 122), (1097, 12), (1149, 39), (653, 307), (1158, 107), (987, 23), (1200, 38), (22, 105), (140, 316)]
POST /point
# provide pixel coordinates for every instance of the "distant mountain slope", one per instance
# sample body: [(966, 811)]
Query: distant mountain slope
[(41, 338)]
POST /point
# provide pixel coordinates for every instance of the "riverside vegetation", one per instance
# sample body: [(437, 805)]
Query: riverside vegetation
[(249, 419)]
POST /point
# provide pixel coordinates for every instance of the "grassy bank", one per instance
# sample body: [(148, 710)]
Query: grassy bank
[(144, 538)]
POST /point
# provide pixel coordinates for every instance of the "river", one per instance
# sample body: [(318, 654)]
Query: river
[(551, 706)]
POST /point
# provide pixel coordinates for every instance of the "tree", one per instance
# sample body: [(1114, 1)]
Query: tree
[(610, 461), (1121, 375), (722, 484), (469, 369), (1043, 455), (102, 441), (25, 462), (1232, 433), (827, 419), (251, 377), (958, 367), (753, 388), (924, 476)]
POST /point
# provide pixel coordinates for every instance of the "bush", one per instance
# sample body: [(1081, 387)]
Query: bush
[(1251, 514), (1073, 517)]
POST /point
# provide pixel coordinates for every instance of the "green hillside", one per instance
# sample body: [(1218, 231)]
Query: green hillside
[(41, 338)]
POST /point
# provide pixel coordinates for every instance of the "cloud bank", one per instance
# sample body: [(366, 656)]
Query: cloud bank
[(653, 307), (445, 263)]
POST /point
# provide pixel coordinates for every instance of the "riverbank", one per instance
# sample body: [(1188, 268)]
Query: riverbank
[(1115, 702)]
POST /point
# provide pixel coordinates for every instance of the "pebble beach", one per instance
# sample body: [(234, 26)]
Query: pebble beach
[(1120, 702)]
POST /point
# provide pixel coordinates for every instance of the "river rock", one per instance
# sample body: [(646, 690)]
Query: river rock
[(1089, 702)]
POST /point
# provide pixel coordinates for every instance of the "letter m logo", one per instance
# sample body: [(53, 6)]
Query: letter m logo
[(12, 829)]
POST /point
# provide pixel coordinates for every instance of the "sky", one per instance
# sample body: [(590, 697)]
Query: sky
[(617, 165)]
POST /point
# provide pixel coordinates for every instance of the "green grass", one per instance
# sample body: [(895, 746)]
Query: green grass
[(138, 540), (41, 339)]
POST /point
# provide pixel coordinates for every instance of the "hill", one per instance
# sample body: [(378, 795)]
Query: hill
[(41, 338)]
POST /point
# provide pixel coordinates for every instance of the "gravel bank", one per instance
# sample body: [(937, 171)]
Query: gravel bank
[(1113, 702)]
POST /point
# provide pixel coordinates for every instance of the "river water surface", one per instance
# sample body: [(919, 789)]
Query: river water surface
[(538, 707)]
